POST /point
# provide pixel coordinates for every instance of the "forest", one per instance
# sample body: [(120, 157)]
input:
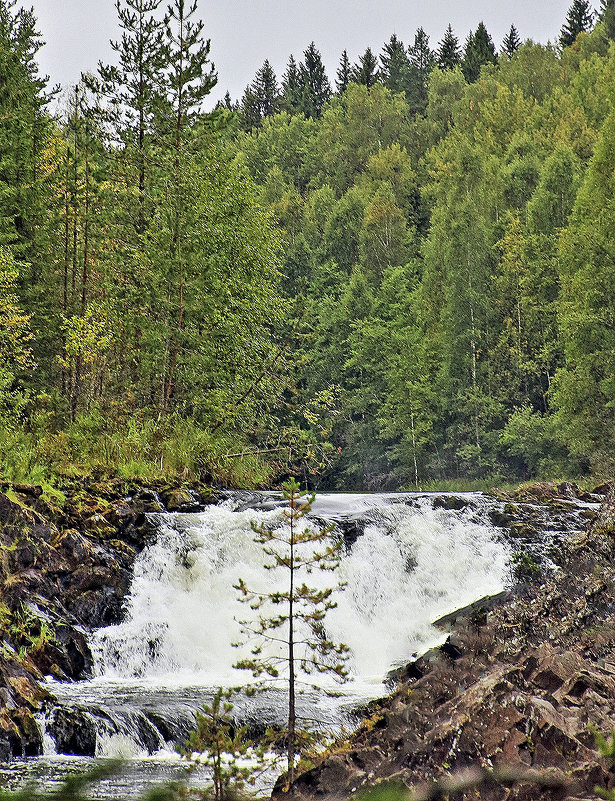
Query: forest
[(399, 277)]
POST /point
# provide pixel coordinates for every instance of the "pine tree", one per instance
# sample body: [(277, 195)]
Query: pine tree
[(366, 70), (190, 77), (343, 73), (293, 618), (448, 54), (292, 91), (606, 15), (316, 89), (133, 89), (218, 736), (512, 42), (23, 128), (479, 50), (422, 61), (579, 20), (395, 66)]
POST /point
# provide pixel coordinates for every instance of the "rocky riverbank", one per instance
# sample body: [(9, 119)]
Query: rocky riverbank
[(64, 570), (523, 686)]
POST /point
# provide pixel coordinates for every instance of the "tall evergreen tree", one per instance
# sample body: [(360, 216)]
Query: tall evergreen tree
[(133, 88), (448, 54), (316, 89), (422, 61), (250, 110), (395, 66), (579, 20), (343, 73), (23, 125), (479, 50), (511, 42), (266, 91), (606, 15), (365, 71), (291, 87), (189, 79)]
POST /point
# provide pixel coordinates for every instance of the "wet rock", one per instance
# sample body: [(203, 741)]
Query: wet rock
[(179, 500), (451, 503), (74, 732)]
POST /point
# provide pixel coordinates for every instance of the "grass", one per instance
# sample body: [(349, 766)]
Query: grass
[(136, 448)]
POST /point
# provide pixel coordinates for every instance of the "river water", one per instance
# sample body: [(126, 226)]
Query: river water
[(405, 564)]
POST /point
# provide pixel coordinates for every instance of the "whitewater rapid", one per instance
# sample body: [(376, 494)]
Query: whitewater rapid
[(406, 565)]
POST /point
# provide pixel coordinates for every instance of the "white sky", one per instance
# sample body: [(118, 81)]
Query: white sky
[(245, 32)]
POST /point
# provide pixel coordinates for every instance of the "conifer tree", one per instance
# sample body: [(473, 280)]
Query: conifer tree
[(316, 89), (292, 91), (289, 635), (23, 126), (511, 42), (448, 54), (266, 91), (395, 65), (366, 70), (250, 110), (189, 78), (422, 61), (343, 73), (132, 89), (606, 15), (479, 50), (579, 20)]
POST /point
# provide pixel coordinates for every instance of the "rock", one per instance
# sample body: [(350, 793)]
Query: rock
[(74, 732), (179, 500), (451, 502)]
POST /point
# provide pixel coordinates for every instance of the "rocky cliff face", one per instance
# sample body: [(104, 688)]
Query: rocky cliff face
[(522, 686), (63, 572)]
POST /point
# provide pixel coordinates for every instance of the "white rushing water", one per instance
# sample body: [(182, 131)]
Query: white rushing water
[(405, 565), (411, 565)]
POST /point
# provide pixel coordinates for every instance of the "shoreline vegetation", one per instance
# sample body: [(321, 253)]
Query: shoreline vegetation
[(397, 281)]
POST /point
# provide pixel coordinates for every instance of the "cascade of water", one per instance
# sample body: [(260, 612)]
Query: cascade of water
[(411, 565)]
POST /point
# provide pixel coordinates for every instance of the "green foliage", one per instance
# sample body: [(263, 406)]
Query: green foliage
[(218, 743), (445, 225), (288, 636)]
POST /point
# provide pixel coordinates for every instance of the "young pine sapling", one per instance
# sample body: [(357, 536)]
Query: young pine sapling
[(287, 635)]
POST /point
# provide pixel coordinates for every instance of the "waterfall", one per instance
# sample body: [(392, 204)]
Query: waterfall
[(407, 560), (410, 564)]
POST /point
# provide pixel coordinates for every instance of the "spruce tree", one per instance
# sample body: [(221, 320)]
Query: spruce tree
[(292, 91), (23, 127), (579, 20), (266, 91), (448, 54), (422, 61), (479, 50), (606, 15), (511, 42), (366, 70), (189, 78), (395, 65), (343, 74), (316, 89)]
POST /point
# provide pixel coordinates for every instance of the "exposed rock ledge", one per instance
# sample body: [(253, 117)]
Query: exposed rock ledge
[(64, 571), (520, 686)]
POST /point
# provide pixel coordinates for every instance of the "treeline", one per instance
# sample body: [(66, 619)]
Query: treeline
[(407, 280), (455, 261), (139, 275)]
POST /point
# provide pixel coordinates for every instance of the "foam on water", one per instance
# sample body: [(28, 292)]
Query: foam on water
[(411, 565)]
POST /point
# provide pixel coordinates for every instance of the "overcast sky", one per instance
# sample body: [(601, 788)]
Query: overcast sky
[(245, 32)]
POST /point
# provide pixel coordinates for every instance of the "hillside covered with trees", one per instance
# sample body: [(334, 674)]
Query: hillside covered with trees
[(404, 277)]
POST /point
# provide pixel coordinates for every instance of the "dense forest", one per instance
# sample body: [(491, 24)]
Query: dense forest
[(405, 277)]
